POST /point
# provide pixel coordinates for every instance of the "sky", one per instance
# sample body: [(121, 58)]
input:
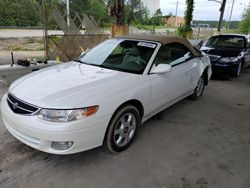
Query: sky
[(204, 9)]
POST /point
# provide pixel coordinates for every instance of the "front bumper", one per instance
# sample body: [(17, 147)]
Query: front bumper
[(225, 68), (39, 134)]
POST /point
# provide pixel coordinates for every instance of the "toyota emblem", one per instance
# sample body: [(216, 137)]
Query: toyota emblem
[(15, 105)]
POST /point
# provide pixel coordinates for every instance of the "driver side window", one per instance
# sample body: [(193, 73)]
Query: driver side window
[(173, 54)]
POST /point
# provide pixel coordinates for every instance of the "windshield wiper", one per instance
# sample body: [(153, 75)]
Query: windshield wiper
[(92, 64), (96, 65), (79, 61)]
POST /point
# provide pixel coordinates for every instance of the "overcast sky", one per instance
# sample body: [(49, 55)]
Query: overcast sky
[(204, 9)]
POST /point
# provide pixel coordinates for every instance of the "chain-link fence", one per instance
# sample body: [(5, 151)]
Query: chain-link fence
[(80, 32), (21, 30), (37, 30)]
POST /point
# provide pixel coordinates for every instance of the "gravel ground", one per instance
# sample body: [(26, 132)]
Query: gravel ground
[(193, 144)]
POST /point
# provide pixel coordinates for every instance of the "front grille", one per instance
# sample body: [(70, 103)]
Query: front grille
[(20, 107)]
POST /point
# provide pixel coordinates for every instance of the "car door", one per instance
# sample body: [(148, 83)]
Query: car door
[(170, 87)]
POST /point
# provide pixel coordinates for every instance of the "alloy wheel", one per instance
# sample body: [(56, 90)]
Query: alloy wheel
[(200, 87), (124, 130)]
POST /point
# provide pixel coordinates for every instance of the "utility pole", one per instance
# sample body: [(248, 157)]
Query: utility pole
[(222, 9), (228, 25), (176, 13), (67, 7)]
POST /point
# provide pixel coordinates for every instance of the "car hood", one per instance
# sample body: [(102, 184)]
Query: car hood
[(69, 84), (223, 52)]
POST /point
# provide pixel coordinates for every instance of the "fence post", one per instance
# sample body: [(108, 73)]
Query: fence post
[(45, 33)]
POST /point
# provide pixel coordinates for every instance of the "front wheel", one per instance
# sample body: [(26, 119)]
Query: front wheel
[(199, 88), (122, 129)]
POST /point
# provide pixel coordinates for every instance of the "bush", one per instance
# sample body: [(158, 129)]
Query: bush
[(183, 31)]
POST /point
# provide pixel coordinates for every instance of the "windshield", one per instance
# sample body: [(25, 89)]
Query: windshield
[(120, 54), (226, 41)]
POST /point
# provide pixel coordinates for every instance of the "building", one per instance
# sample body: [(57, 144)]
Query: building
[(175, 21), (151, 5)]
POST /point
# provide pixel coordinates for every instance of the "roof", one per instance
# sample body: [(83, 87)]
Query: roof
[(163, 40), (229, 34)]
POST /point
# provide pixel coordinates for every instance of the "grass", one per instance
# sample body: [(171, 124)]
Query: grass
[(236, 31), (151, 27)]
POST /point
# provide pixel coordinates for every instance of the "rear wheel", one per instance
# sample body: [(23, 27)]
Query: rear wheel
[(199, 88), (122, 129)]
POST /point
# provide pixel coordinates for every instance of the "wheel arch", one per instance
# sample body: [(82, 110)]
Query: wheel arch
[(134, 102), (205, 74)]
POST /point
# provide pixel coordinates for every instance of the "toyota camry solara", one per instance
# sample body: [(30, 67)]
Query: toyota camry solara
[(104, 96)]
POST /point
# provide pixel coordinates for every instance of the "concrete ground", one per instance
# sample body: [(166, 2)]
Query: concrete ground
[(193, 144)]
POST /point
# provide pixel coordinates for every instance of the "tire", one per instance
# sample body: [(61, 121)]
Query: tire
[(122, 129), (198, 91), (237, 72)]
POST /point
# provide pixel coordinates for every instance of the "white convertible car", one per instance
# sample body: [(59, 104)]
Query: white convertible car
[(104, 96)]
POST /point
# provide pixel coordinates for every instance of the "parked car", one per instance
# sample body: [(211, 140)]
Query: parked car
[(228, 53), (103, 97)]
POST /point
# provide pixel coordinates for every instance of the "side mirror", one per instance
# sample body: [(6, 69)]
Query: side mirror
[(162, 68)]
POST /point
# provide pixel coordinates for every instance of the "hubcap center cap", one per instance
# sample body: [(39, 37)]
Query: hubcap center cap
[(126, 130)]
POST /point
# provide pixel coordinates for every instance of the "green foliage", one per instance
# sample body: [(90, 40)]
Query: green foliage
[(23, 13), (95, 8), (245, 22), (157, 18), (150, 27), (136, 13), (28, 13), (189, 13), (20, 13), (183, 31), (186, 28)]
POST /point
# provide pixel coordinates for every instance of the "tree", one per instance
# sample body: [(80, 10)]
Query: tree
[(189, 13), (186, 28), (157, 18), (20, 13), (136, 13), (245, 22), (95, 8)]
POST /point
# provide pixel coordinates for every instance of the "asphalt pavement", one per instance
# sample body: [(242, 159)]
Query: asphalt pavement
[(193, 144)]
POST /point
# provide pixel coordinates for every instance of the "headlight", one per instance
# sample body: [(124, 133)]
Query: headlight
[(66, 115), (228, 59)]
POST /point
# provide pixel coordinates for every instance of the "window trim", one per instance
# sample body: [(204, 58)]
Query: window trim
[(193, 56), (184, 61)]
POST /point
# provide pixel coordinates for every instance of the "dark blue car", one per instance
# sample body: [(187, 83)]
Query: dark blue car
[(228, 53)]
